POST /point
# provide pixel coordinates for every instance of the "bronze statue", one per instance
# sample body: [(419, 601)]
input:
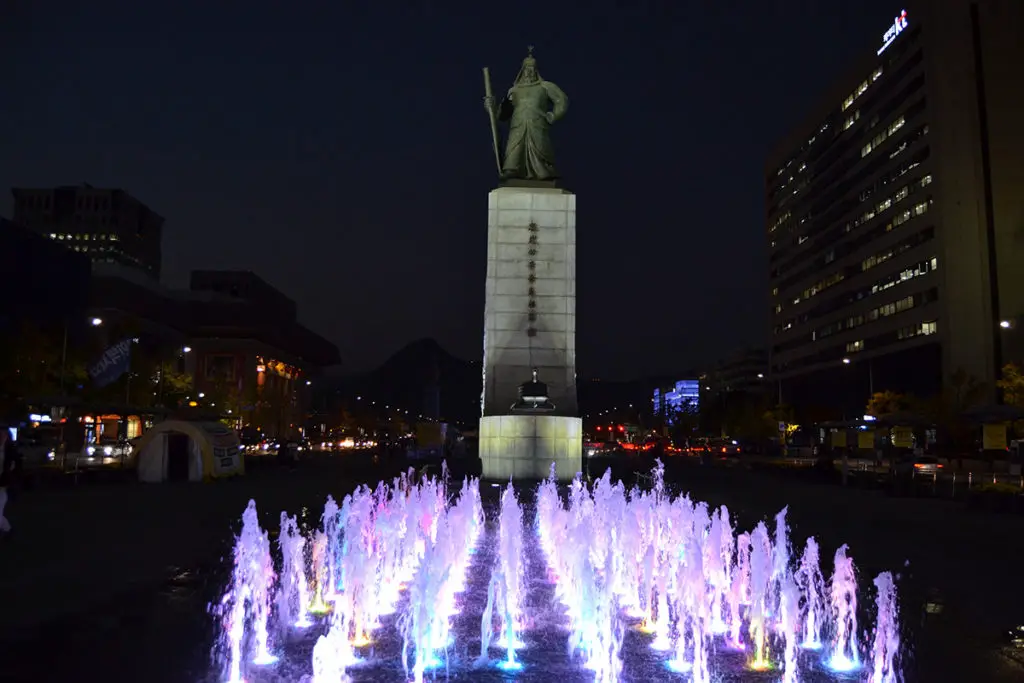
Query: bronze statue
[(531, 106)]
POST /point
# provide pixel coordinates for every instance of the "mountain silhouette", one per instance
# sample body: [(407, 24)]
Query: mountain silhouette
[(423, 378)]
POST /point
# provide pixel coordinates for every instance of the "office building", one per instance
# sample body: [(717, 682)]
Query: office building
[(108, 225), (895, 213), (682, 396)]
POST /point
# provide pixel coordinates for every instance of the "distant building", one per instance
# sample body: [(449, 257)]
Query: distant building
[(243, 285), (894, 213), (253, 348), (743, 372), (245, 333), (107, 225), (684, 395), (44, 285)]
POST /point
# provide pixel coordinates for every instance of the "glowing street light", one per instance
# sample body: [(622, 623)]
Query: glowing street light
[(846, 361), (96, 322), (760, 375), (186, 349), (1005, 324)]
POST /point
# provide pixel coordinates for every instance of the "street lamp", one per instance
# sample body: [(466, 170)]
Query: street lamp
[(96, 322), (760, 375), (846, 361), (1005, 324), (186, 349)]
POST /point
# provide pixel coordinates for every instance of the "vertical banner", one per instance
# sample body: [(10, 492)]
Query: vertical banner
[(839, 438), (866, 439)]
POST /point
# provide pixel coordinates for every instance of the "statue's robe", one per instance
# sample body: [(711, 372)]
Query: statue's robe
[(529, 154)]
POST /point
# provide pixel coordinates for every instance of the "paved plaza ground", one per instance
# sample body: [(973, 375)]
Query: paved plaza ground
[(112, 578)]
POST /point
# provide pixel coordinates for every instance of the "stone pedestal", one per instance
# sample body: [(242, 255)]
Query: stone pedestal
[(524, 446), (530, 305), (530, 323)]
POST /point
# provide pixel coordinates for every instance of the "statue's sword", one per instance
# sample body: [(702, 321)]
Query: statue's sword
[(493, 116)]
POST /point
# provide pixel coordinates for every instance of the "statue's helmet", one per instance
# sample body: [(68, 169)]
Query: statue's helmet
[(528, 71)]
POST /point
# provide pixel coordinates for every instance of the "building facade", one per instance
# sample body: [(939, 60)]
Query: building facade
[(895, 213), (245, 358), (247, 345), (108, 225), (745, 371)]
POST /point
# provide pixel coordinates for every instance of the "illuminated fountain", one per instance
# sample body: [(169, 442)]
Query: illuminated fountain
[(359, 564), (718, 560), (487, 621), (665, 572), (426, 625), (886, 647), (692, 612), (789, 617), (331, 520), (843, 595), (510, 571), (812, 587), (247, 601), (760, 580), (293, 591), (780, 565), (333, 653), (320, 574), (739, 592), (574, 542)]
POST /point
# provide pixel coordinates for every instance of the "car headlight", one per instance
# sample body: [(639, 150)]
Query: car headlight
[(107, 450), (51, 455), (90, 450)]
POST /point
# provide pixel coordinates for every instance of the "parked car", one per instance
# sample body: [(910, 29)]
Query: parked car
[(911, 466)]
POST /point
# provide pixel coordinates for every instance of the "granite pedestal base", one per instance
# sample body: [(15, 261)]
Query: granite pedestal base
[(524, 446)]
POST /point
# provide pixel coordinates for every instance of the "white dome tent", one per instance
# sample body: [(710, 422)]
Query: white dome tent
[(178, 450)]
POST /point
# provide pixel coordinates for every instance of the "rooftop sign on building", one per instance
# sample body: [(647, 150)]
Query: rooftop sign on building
[(889, 37)]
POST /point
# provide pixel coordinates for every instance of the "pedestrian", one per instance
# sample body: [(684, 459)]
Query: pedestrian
[(6, 468)]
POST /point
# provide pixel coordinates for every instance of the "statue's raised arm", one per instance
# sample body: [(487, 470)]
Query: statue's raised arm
[(531, 106)]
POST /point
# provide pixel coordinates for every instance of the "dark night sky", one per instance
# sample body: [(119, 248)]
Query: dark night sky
[(343, 152)]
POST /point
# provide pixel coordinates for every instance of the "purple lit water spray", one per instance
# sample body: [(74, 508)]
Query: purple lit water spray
[(843, 595), (812, 586), (885, 649), (248, 598), (293, 590), (512, 569)]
